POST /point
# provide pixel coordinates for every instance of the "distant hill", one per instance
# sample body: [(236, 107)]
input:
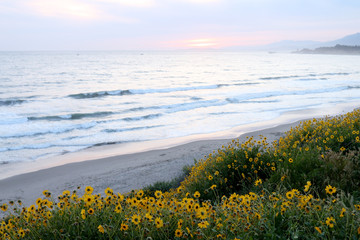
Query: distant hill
[(337, 49), (350, 40), (290, 45)]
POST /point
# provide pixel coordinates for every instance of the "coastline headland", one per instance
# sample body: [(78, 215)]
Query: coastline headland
[(336, 50)]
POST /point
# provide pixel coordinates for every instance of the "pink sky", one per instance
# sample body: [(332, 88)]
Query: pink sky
[(170, 24)]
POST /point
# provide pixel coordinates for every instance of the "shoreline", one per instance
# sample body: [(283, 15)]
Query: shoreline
[(111, 150), (128, 167), (122, 173)]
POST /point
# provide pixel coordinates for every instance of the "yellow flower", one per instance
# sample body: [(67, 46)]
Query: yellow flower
[(91, 211), (31, 208), (213, 186), (160, 204), (290, 194), (196, 194), (66, 193), (158, 194), (120, 197), (48, 215), (342, 149), (201, 213), (89, 190), (88, 199), (220, 236), (149, 217), (109, 191), (74, 197), (118, 208), (136, 219), (134, 202), (330, 221), (159, 223), (290, 160), (151, 200), (60, 205), (253, 196), (258, 182), (21, 232), (317, 207), (101, 229), (330, 190), (210, 177), (307, 186), (4, 207), (189, 207), (343, 210), (83, 214), (189, 232), (178, 233), (46, 193), (318, 229), (180, 223), (140, 193), (203, 224), (124, 227)]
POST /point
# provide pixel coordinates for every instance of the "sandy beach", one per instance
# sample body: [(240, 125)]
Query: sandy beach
[(122, 173)]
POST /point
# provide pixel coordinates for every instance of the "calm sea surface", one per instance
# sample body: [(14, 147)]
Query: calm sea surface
[(52, 103)]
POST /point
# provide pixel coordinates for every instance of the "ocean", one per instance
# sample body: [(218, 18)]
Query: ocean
[(54, 103)]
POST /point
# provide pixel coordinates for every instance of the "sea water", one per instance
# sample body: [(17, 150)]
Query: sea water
[(53, 103)]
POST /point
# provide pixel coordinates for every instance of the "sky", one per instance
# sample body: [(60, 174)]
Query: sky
[(170, 24)]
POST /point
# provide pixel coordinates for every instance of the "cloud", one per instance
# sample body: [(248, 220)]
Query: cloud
[(64, 9), (197, 1), (79, 9), (203, 42), (130, 3), (201, 1)]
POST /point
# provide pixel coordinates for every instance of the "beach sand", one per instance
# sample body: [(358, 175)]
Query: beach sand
[(122, 173)]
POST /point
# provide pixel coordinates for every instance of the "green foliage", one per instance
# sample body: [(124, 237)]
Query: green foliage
[(165, 186), (236, 168), (324, 151)]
